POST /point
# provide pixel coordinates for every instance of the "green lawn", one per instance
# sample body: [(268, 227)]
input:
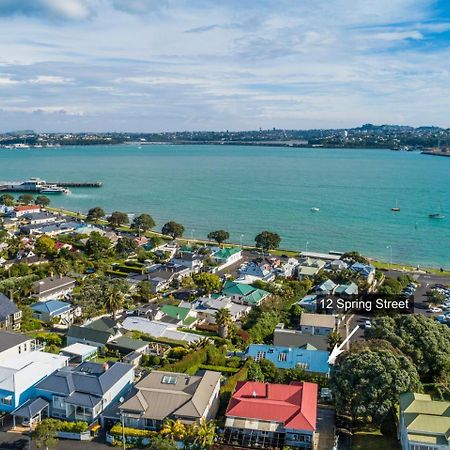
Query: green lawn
[(368, 440)]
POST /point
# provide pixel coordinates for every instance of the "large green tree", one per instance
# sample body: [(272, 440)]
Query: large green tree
[(97, 245), (143, 223), (42, 201), (207, 282), (368, 380), (267, 240), (423, 339), (26, 199), (95, 214), (125, 246), (6, 199), (173, 229), (113, 299), (220, 236), (45, 245), (117, 218)]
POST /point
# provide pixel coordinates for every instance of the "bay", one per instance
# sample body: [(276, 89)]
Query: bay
[(247, 189)]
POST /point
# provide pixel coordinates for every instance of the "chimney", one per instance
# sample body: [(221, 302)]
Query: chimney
[(105, 366)]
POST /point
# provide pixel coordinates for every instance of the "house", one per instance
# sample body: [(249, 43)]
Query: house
[(207, 307), (97, 333), (21, 210), (158, 329), (270, 415), (10, 314), (336, 265), (39, 218), (260, 269), (126, 345), (309, 303), (164, 275), (309, 359), (78, 353), (170, 395), (294, 338), (287, 269), (244, 293), (366, 271), (309, 267), (424, 423), (179, 316), (53, 288), (22, 366), (226, 257), (28, 260), (347, 290), (83, 392), (54, 311), (325, 288), (317, 324), (188, 258)]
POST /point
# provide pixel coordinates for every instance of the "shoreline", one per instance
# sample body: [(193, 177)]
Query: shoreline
[(379, 264)]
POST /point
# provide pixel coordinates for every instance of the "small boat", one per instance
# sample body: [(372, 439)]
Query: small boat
[(395, 208), (53, 189), (436, 216), (315, 209)]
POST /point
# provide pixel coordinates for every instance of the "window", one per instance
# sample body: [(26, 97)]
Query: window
[(260, 356), (304, 366), (7, 400), (282, 357), (59, 403), (169, 379)]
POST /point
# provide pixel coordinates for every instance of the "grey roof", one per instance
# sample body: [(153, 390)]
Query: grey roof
[(81, 399), (9, 339), (188, 396), (127, 344), (30, 408), (7, 307), (294, 338), (88, 378), (317, 320), (101, 331), (50, 284)]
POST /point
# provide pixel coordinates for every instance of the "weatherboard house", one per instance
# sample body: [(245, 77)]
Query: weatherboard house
[(269, 415)]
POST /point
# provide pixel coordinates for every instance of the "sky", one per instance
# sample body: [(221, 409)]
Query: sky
[(168, 65)]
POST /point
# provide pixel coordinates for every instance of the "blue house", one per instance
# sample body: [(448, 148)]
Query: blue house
[(309, 359), (53, 310)]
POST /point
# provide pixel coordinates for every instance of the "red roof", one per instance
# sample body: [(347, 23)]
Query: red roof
[(294, 405), (27, 208)]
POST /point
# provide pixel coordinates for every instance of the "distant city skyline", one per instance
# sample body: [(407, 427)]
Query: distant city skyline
[(167, 65)]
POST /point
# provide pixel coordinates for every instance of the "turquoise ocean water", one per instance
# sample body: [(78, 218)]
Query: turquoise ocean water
[(249, 189)]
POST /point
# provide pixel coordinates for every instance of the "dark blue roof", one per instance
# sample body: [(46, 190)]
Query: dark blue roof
[(7, 307)]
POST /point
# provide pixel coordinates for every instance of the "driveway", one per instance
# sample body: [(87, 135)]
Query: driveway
[(325, 428)]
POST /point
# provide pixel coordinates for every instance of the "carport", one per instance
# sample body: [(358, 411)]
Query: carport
[(33, 410)]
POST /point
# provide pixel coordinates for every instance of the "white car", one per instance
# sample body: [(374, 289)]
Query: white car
[(435, 310), (367, 324)]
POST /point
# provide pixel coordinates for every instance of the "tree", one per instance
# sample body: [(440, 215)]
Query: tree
[(368, 381), (421, 338), (207, 282), (145, 290), (334, 338), (61, 266), (173, 429), (45, 245), (224, 321), (204, 433), (143, 222), (45, 433), (254, 372), (267, 240), (97, 245), (26, 199), (7, 200), (220, 236), (95, 214), (42, 201), (113, 299), (117, 218), (295, 313), (160, 443), (173, 229), (436, 297), (125, 246)]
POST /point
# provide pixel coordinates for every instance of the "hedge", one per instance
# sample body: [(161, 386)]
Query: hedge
[(219, 368), (190, 362), (117, 273), (116, 430), (73, 427)]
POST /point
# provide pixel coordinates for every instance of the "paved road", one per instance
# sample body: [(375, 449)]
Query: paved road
[(325, 428)]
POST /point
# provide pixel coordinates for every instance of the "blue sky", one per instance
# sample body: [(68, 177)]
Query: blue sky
[(164, 65)]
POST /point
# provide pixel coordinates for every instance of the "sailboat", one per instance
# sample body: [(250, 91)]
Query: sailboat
[(437, 215), (395, 208)]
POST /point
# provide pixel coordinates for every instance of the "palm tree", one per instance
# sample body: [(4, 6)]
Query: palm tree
[(174, 429), (197, 345), (205, 433), (113, 299), (334, 339), (224, 321)]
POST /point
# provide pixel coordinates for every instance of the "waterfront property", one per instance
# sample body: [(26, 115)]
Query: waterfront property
[(83, 392), (424, 423), (23, 364), (252, 420), (226, 257), (169, 395), (309, 359)]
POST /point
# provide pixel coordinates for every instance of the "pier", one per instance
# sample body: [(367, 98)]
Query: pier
[(73, 184)]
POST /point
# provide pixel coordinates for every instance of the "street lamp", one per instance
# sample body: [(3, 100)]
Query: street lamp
[(307, 243), (240, 240), (122, 419), (390, 251)]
